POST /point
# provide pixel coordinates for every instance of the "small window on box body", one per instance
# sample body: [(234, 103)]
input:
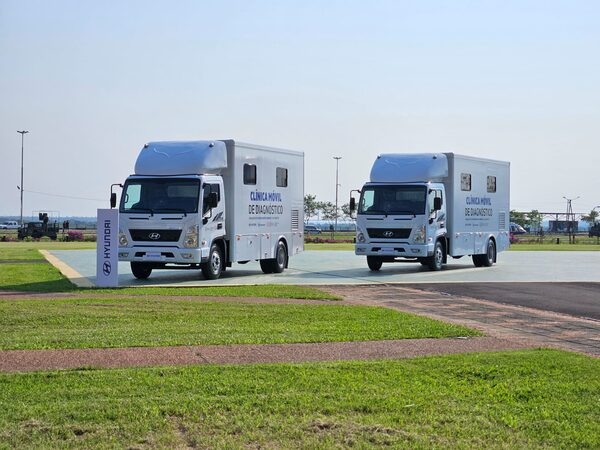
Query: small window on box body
[(491, 184), (465, 181), (281, 177), (249, 174)]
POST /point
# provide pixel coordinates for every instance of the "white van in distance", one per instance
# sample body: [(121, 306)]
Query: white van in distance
[(208, 204), (426, 207)]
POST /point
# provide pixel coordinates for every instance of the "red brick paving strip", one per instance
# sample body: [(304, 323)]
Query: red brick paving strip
[(32, 360)]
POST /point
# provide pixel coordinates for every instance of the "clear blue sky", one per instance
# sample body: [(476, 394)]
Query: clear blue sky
[(94, 81)]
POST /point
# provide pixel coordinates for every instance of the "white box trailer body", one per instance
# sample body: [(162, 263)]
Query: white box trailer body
[(208, 204), (399, 217)]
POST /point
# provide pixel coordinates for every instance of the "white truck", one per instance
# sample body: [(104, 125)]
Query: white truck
[(10, 225), (426, 207), (208, 204)]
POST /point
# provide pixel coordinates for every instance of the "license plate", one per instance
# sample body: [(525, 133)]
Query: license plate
[(387, 249), (152, 255)]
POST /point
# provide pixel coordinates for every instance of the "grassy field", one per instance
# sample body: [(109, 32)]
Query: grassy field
[(527, 399), (105, 322)]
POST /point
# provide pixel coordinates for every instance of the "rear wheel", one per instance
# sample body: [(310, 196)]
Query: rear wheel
[(214, 266), (374, 263), (141, 270), (436, 261), (488, 258), (277, 264)]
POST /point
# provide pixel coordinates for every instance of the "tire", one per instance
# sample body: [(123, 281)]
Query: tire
[(214, 266), (436, 261), (281, 258), (140, 270), (266, 266), (374, 263), (477, 261), (488, 259), (277, 264)]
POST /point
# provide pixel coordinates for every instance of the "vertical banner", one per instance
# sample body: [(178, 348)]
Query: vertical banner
[(107, 248)]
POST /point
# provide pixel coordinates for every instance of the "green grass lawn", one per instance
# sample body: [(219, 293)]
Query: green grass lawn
[(105, 322), (525, 399)]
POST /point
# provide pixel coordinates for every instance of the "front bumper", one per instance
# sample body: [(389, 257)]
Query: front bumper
[(164, 255), (394, 249)]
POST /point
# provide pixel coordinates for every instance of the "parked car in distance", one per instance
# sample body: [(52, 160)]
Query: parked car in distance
[(311, 229), (515, 228), (10, 225)]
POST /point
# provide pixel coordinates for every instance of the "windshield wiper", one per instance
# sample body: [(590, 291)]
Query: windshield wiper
[(181, 210), (140, 209)]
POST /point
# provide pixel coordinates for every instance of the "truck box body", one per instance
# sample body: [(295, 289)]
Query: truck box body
[(167, 217), (399, 216)]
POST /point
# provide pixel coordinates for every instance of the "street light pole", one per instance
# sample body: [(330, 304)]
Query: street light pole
[(23, 133), (337, 185)]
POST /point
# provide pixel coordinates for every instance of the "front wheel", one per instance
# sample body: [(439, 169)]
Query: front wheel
[(141, 270), (213, 268), (374, 263), (436, 261)]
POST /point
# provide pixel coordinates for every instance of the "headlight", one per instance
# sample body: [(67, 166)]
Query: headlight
[(123, 242), (420, 235), (360, 237), (191, 237)]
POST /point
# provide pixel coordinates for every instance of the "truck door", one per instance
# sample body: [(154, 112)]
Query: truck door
[(437, 218)]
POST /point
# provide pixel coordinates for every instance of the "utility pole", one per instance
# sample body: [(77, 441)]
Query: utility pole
[(23, 133), (570, 219), (337, 185)]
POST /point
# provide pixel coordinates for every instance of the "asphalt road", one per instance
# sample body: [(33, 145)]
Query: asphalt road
[(576, 299)]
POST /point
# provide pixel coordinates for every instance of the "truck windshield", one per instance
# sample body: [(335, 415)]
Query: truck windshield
[(160, 195), (393, 200)]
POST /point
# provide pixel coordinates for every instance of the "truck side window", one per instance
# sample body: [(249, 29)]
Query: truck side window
[(491, 184), (216, 188), (465, 181), (249, 174), (208, 189), (281, 177)]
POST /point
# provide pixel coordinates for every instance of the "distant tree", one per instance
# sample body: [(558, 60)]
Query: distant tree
[(328, 211), (311, 206), (590, 218), (519, 218), (534, 219), (346, 214)]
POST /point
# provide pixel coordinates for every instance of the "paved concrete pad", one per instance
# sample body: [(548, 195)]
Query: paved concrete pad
[(323, 267)]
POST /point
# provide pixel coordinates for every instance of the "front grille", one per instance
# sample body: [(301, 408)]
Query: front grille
[(389, 233), (155, 235)]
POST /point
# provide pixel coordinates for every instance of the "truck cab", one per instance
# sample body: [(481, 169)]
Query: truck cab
[(401, 220), (171, 220)]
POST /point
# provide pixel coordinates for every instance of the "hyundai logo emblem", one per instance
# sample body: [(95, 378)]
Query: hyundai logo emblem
[(106, 268), (154, 236), (388, 234)]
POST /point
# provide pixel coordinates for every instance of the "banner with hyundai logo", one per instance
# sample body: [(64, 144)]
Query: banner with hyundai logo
[(107, 248)]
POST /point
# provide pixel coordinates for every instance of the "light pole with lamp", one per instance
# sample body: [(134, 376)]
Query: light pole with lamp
[(23, 133), (337, 185)]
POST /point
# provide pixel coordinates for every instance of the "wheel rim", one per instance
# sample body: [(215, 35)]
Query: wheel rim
[(281, 257), (438, 256), (215, 262)]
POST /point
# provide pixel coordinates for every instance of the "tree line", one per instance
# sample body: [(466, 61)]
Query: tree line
[(324, 210)]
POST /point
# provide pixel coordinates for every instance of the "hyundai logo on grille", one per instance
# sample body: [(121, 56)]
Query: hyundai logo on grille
[(154, 236), (388, 234)]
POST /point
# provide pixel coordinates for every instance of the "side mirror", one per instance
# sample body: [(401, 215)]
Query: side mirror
[(437, 203), (352, 204), (213, 200), (113, 200)]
